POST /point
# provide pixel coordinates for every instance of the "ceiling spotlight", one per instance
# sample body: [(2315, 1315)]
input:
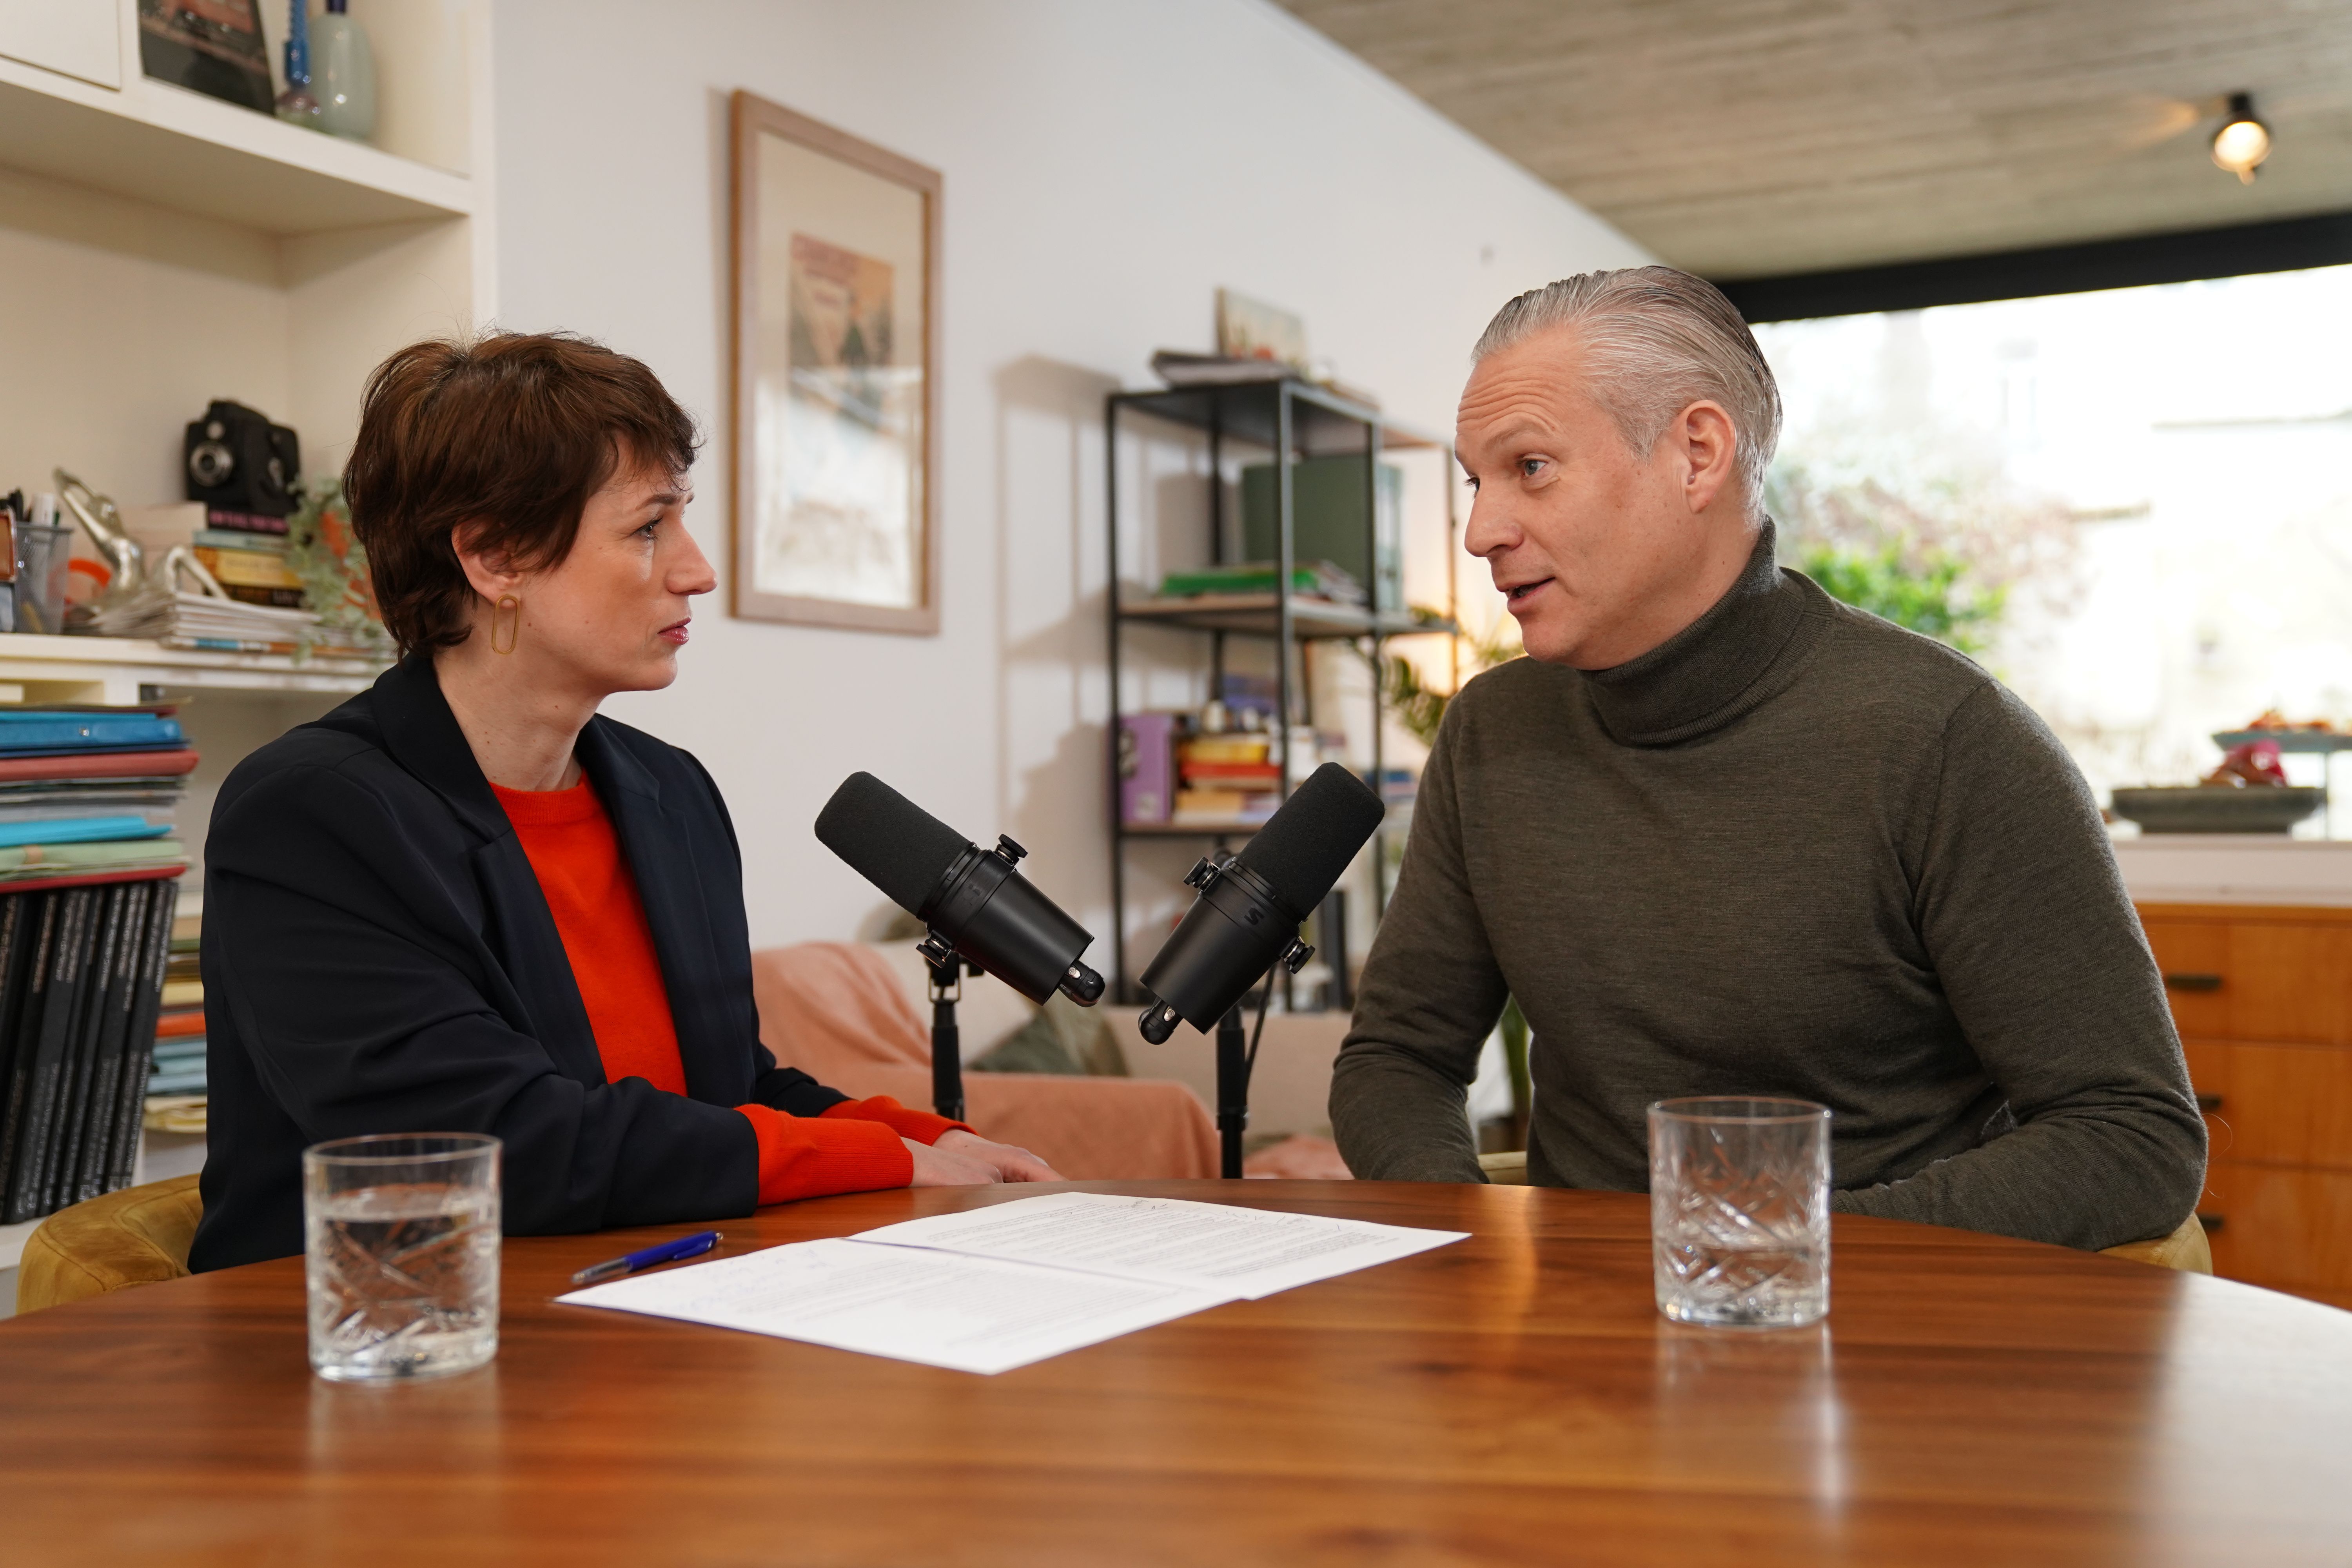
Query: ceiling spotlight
[(2244, 141)]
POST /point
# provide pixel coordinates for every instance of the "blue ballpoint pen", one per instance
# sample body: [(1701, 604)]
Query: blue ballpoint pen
[(667, 1252)]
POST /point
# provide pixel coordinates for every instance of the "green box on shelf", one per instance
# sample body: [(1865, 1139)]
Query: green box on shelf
[(1327, 499)]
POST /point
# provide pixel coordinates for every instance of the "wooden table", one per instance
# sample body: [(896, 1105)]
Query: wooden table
[(1514, 1398)]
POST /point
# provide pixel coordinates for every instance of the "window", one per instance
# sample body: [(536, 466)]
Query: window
[(2135, 507)]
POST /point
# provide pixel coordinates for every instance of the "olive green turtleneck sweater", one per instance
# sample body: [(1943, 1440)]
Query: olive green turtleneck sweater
[(1795, 850)]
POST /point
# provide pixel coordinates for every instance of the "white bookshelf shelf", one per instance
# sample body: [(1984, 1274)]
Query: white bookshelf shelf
[(112, 669), (155, 142)]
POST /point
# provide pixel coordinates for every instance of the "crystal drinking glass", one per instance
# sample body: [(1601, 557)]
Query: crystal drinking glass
[(401, 1254), (1739, 1211)]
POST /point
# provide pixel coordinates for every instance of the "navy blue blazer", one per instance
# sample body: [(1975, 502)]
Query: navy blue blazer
[(378, 958)]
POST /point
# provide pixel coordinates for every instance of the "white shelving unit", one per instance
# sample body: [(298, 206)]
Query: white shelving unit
[(122, 670), (151, 142), (160, 248)]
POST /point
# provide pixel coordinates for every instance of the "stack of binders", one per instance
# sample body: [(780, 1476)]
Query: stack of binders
[(81, 981)]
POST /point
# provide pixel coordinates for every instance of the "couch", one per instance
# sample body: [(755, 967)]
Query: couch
[(845, 1014)]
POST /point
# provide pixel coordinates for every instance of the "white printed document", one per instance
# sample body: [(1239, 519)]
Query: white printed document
[(968, 1314), (1221, 1247), (996, 1287)]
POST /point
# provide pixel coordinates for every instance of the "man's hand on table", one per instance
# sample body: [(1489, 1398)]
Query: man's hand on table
[(962, 1159)]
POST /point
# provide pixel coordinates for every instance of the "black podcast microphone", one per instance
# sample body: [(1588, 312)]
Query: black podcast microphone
[(970, 900), (1250, 908)]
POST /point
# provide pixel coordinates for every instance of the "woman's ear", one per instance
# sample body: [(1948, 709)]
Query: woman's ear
[(490, 570)]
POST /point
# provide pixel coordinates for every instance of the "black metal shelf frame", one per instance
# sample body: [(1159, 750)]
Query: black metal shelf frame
[(1293, 420)]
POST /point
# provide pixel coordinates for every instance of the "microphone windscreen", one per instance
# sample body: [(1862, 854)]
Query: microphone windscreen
[(888, 839), (1305, 847)]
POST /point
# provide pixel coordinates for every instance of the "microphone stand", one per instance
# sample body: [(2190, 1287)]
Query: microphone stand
[(1237, 1058), (947, 966), (1233, 1090)]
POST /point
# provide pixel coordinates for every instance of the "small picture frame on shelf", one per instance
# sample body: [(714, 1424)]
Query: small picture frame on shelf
[(835, 310), (1252, 329), (214, 47)]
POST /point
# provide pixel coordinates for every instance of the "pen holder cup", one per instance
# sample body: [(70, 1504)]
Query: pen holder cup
[(44, 555)]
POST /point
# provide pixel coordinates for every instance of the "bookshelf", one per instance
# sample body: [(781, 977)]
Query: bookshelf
[(1284, 424), (164, 249), (150, 141)]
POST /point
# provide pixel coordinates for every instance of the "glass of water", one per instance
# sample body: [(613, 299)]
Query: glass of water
[(1739, 1211), (401, 1237)]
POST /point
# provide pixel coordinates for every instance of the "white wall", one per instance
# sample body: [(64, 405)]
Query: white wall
[(1108, 165)]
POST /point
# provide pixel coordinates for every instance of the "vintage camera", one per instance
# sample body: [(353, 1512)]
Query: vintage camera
[(239, 461)]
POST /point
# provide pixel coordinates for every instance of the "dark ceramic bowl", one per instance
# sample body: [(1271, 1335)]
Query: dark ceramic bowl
[(2216, 808)]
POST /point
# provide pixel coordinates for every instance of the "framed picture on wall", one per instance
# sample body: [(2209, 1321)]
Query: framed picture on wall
[(836, 327)]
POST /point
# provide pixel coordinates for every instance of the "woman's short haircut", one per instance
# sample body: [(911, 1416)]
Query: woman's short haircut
[(508, 436), (1657, 341)]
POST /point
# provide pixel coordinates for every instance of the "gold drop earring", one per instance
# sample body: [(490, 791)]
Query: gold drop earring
[(514, 627)]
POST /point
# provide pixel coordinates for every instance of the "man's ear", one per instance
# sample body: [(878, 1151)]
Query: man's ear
[(1708, 444), (490, 570)]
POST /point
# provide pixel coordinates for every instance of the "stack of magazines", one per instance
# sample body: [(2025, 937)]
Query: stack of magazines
[(222, 624), (89, 791), (216, 620), (81, 978)]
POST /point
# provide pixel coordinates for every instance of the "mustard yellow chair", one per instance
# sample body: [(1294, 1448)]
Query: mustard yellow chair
[(135, 1236), (2185, 1249), (1505, 1170)]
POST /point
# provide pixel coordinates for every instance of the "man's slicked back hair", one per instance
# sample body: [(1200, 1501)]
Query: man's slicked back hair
[(1657, 341)]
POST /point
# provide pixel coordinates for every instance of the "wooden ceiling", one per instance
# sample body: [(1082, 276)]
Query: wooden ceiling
[(1747, 138)]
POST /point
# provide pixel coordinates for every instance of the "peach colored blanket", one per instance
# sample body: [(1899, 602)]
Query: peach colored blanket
[(836, 1012)]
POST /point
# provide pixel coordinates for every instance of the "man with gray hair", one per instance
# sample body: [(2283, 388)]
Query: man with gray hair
[(1719, 834)]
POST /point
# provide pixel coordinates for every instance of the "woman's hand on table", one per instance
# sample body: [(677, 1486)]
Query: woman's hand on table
[(962, 1159)]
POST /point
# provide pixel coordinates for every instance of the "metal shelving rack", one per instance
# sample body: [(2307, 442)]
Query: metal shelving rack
[(1292, 420)]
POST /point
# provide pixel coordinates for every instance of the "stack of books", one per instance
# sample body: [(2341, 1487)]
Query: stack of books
[(1230, 777), (1309, 579), (90, 868), (248, 562), (81, 978), (90, 792), (177, 1088), (221, 582)]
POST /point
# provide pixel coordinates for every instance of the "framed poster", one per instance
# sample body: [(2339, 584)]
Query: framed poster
[(836, 385)]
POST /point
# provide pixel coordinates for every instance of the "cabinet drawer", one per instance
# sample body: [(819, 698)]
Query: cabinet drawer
[(2257, 980), (2276, 1105), (2280, 1226)]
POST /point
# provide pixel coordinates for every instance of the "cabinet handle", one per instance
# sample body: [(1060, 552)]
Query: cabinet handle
[(2213, 1223), (2209, 1103), (2191, 981)]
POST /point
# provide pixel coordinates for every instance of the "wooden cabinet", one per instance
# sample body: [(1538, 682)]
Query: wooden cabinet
[(2262, 996), (2257, 979)]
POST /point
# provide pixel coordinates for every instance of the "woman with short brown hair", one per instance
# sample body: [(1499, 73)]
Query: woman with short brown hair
[(464, 902)]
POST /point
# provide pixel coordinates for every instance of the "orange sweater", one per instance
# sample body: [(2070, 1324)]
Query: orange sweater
[(852, 1147)]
